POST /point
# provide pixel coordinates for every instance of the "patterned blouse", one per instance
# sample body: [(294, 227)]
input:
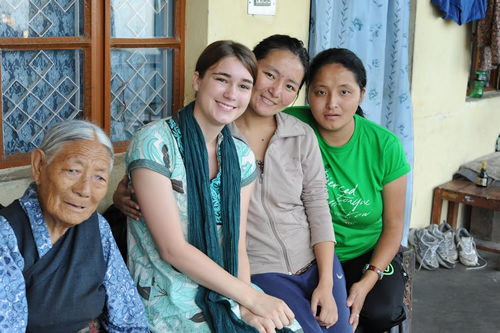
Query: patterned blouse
[(124, 311), (168, 295)]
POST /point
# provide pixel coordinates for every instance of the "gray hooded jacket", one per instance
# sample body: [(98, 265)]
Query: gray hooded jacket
[(288, 212)]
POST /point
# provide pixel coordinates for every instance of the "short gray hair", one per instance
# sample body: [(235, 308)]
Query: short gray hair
[(74, 130)]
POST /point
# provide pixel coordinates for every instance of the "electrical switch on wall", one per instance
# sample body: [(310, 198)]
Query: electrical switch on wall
[(262, 7)]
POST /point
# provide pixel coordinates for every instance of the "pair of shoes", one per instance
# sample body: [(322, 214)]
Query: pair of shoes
[(436, 246), (467, 249), (446, 252), (425, 245)]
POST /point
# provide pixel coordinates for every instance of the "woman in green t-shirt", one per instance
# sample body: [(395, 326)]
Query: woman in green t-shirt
[(366, 172)]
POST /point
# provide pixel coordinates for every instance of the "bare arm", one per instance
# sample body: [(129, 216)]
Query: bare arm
[(322, 295), (394, 196), (324, 257), (156, 198), (244, 264)]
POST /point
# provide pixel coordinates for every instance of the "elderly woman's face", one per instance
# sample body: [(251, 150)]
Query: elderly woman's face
[(71, 185)]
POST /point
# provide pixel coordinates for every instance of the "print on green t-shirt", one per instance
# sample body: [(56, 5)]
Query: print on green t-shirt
[(356, 174)]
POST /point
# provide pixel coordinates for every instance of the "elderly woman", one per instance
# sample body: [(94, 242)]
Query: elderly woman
[(60, 269)]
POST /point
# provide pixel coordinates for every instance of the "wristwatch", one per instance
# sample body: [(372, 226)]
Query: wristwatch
[(369, 267)]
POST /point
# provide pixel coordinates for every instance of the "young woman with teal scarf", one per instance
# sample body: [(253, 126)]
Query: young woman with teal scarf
[(193, 181)]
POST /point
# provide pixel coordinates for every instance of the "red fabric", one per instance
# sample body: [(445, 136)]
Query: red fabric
[(488, 37)]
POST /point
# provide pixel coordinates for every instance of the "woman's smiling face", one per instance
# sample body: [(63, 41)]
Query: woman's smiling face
[(279, 76), (223, 93)]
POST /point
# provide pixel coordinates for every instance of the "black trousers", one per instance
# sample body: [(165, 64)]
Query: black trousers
[(383, 307)]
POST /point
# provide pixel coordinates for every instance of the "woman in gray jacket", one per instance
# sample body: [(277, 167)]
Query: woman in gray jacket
[(290, 238)]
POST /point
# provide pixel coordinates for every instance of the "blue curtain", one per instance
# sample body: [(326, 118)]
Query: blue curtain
[(377, 31)]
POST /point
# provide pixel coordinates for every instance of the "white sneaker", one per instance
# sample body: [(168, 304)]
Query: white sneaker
[(449, 238), (466, 248), (425, 246), (444, 255)]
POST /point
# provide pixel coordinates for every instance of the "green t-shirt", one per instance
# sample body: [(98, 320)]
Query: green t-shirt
[(356, 174)]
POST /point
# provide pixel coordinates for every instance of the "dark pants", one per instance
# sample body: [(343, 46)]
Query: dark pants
[(383, 307), (296, 291)]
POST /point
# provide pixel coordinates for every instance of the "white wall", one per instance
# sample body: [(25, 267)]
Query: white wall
[(211, 20), (450, 129)]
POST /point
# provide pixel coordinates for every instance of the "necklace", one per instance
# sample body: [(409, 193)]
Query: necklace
[(260, 166)]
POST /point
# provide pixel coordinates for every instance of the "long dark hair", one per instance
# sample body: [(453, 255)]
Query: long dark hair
[(343, 57)]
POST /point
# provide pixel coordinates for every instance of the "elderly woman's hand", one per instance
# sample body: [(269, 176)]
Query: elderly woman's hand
[(122, 198)]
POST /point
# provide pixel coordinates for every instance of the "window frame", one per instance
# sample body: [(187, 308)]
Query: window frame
[(493, 83), (176, 43), (96, 45)]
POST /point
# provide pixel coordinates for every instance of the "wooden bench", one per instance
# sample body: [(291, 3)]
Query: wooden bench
[(458, 192)]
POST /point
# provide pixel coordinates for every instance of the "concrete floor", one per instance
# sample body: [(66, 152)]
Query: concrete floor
[(458, 300)]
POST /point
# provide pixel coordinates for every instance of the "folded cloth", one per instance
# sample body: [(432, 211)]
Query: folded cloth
[(470, 169)]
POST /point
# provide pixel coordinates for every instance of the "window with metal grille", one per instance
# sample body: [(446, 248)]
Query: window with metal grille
[(118, 63)]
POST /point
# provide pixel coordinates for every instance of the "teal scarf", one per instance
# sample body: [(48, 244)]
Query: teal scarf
[(202, 226), (202, 229)]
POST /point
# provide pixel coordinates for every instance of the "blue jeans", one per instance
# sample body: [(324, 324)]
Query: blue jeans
[(296, 291)]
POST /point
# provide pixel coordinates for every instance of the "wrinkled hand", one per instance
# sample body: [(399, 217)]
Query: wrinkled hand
[(262, 324), (355, 301), (122, 198), (272, 308), (322, 296)]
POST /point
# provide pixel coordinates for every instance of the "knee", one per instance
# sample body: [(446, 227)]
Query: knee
[(381, 318)]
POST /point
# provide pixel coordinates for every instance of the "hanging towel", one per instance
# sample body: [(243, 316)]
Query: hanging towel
[(462, 11), (488, 37)]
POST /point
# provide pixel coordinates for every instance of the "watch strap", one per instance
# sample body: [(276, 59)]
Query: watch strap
[(369, 267)]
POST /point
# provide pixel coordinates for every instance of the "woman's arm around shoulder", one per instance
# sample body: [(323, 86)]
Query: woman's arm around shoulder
[(122, 199)]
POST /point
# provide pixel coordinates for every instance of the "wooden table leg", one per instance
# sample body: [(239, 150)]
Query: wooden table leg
[(437, 206), (452, 214)]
